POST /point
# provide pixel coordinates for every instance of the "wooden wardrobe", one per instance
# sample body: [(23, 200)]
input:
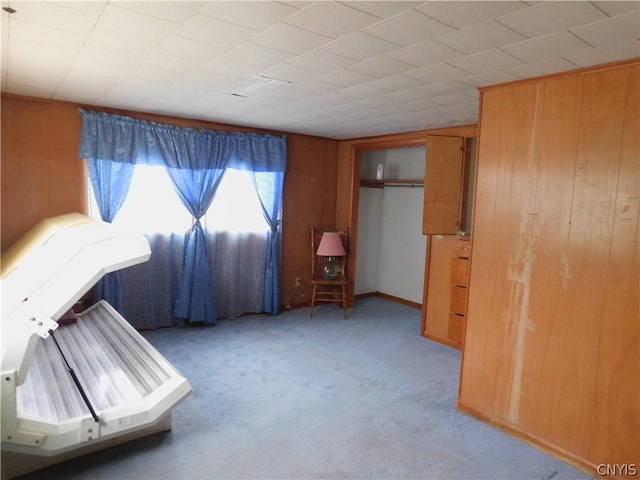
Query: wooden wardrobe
[(552, 344)]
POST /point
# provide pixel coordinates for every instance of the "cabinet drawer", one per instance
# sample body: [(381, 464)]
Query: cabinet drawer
[(462, 248), (457, 325), (460, 271), (458, 299)]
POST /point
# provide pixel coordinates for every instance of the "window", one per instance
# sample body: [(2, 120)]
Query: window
[(153, 207), (237, 242), (189, 275), (236, 207)]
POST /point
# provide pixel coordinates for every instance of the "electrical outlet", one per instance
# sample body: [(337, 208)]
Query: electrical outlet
[(298, 281)]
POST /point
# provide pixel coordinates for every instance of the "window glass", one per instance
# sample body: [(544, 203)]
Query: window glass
[(152, 206), (236, 207)]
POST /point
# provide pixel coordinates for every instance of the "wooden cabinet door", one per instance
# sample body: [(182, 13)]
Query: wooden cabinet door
[(443, 178)]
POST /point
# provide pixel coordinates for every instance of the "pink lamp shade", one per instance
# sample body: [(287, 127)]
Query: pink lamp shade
[(331, 245)]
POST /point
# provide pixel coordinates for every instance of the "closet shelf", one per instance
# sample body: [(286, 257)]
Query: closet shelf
[(370, 183)]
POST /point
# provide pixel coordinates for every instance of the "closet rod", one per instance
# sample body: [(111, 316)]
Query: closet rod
[(410, 185), (392, 182)]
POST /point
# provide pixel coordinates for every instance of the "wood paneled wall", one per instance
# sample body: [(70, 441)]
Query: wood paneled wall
[(42, 176), (41, 173), (309, 198), (553, 329)]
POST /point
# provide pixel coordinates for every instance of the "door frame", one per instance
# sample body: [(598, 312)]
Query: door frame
[(348, 180)]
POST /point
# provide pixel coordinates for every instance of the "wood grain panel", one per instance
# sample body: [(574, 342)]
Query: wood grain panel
[(474, 393), (607, 113), (504, 232), (518, 224), (622, 304), (443, 174), (456, 328), (438, 288), (587, 252), (42, 175), (309, 199), (547, 337), (551, 343)]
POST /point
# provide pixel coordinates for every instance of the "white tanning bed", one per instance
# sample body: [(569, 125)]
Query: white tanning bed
[(74, 388)]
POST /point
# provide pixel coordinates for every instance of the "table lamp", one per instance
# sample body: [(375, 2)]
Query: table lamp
[(330, 247)]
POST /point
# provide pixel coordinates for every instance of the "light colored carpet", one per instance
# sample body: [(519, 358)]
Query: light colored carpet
[(288, 397)]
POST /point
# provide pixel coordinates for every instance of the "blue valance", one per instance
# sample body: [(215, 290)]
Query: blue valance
[(118, 138)]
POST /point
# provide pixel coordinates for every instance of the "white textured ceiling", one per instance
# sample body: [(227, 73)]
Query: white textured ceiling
[(333, 69)]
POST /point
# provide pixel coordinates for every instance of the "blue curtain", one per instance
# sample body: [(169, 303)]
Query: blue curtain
[(196, 189), (269, 186), (195, 161), (110, 182)]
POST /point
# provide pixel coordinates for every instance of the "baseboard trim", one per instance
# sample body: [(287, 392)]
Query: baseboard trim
[(295, 306), (553, 450), (386, 296), (360, 296), (444, 341)]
